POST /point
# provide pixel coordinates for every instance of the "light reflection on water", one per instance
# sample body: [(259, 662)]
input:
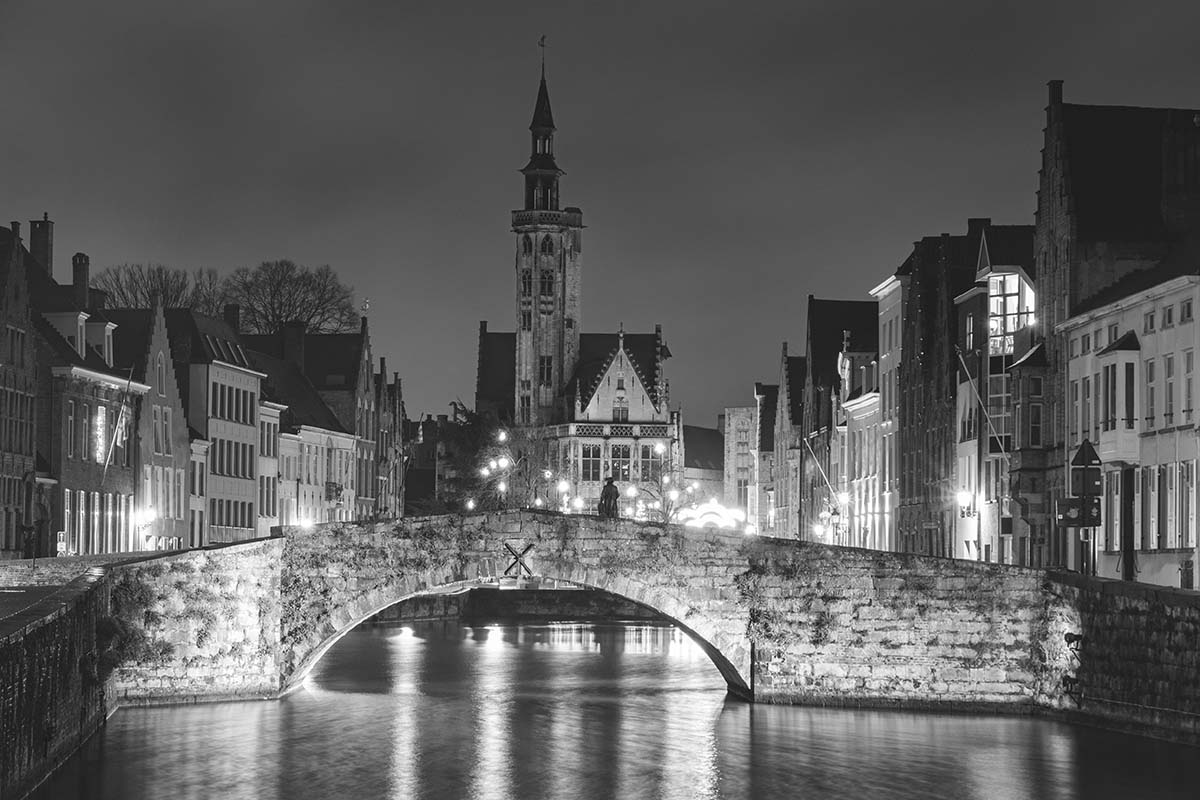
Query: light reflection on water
[(586, 711)]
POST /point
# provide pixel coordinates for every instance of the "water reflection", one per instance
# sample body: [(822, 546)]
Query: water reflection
[(585, 711)]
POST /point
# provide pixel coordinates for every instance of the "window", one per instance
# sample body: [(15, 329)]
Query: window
[(526, 245), (1098, 338), (1168, 389), (970, 332), (1035, 386), (1148, 322), (1188, 362), (591, 462), (1085, 343), (620, 409), (526, 282), (546, 288), (652, 462), (167, 431), (1035, 424), (545, 370), (620, 461), (70, 429), (570, 323), (524, 409), (1185, 311), (86, 433), (1150, 392), (160, 375), (157, 413), (1168, 316), (621, 382), (1112, 333), (1074, 420), (526, 320), (1074, 351), (547, 246)]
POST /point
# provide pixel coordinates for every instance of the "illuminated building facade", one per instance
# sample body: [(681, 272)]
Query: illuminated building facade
[(24, 509), (788, 444), (856, 461), (990, 316), (890, 299), (596, 404)]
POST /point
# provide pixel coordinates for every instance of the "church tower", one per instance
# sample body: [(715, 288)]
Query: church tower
[(548, 280)]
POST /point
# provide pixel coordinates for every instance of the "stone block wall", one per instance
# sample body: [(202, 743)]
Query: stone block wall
[(57, 571), (51, 697), (210, 619), (1139, 661), (842, 626)]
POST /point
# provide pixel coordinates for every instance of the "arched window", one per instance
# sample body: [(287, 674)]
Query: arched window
[(526, 282), (160, 375), (547, 287), (547, 246), (526, 245)]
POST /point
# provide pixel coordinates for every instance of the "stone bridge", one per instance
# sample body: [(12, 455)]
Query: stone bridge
[(783, 621)]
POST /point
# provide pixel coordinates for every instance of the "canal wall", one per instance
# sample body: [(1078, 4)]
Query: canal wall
[(841, 626), (51, 690), (208, 622), (1137, 665)]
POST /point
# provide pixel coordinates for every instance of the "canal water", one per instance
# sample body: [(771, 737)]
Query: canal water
[(586, 711)]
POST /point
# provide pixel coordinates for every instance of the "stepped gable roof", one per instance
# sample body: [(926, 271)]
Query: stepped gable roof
[(1126, 341), (797, 373), (495, 381), (131, 339), (703, 448), (768, 397), (331, 360), (286, 384), (597, 352), (1011, 246), (1114, 159), (200, 339), (827, 319)]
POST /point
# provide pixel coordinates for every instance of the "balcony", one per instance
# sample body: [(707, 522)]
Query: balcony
[(1119, 441), (572, 219)]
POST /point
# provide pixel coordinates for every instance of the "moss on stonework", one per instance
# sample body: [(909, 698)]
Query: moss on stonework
[(122, 637)]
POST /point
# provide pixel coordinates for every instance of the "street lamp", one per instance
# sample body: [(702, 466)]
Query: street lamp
[(966, 505)]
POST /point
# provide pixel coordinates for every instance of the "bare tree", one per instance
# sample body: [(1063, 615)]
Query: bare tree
[(277, 292), (143, 285)]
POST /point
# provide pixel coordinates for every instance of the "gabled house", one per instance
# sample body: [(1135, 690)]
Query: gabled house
[(761, 510), (142, 350), (789, 443)]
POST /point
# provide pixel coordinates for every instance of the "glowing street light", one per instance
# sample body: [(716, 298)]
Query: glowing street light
[(564, 486), (631, 491), (502, 436), (502, 487), (503, 462), (577, 503), (843, 498), (470, 505)]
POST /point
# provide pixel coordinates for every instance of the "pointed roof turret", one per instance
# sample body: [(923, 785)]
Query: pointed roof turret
[(543, 119)]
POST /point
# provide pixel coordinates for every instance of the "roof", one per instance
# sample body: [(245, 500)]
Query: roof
[(597, 351), (495, 381), (331, 360), (1183, 258), (1114, 159), (827, 319), (286, 384), (768, 397), (199, 339), (131, 339), (542, 116), (63, 352), (797, 372), (1011, 246), (703, 448), (1034, 357), (1127, 341)]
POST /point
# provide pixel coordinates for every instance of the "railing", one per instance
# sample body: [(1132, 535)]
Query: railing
[(547, 217)]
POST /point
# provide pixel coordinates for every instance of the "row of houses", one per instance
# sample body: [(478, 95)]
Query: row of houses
[(140, 429), (942, 414)]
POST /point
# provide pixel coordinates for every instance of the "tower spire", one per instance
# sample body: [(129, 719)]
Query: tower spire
[(542, 45), (541, 173)]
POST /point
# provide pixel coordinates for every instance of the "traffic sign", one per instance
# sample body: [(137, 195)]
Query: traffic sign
[(1085, 456), (1086, 482), (1078, 512)]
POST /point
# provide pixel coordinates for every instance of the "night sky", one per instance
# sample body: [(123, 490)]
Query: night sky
[(730, 159)]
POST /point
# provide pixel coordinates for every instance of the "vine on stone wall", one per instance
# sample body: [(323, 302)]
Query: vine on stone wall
[(122, 637)]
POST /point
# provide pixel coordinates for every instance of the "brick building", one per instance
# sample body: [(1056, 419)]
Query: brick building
[(762, 494), (24, 508), (789, 444), (1117, 196), (598, 402)]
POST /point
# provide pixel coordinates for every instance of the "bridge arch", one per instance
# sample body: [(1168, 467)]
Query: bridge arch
[(360, 607)]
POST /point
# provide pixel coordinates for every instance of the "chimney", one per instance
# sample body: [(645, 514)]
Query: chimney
[(16, 229), (1055, 92), (293, 342), (233, 316), (41, 242), (79, 271)]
